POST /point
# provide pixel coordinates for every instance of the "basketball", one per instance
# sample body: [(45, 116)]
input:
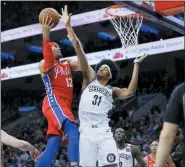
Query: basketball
[(51, 13)]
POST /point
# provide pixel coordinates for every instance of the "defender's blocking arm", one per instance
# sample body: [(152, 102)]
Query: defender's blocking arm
[(130, 91), (88, 72)]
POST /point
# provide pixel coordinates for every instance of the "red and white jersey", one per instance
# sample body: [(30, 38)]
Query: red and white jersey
[(151, 162), (59, 80)]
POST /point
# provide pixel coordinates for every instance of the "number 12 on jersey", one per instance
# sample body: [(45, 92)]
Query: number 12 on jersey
[(69, 82), (97, 100)]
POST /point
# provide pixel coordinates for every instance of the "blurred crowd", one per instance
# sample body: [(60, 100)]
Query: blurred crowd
[(22, 13), (141, 133)]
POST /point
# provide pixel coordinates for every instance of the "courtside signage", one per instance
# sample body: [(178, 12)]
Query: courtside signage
[(151, 48), (25, 70), (5, 74)]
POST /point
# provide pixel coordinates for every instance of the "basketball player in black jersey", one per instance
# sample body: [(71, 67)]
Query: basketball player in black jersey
[(174, 116)]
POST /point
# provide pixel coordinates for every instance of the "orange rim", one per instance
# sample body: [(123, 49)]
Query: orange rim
[(136, 15)]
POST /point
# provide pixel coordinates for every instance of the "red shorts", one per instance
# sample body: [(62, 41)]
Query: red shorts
[(56, 110)]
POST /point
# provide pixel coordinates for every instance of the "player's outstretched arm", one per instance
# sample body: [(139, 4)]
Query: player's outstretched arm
[(48, 61), (130, 91), (88, 72), (20, 144), (137, 155), (166, 140)]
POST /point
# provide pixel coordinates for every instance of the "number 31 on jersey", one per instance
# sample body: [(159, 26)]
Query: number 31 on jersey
[(97, 100)]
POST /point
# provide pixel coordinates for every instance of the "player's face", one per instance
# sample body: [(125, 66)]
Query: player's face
[(119, 134), (103, 72), (154, 146), (56, 52)]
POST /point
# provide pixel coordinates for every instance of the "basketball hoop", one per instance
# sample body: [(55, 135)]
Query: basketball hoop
[(127, 24)]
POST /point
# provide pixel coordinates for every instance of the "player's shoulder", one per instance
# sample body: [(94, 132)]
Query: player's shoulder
[(109, 87), (94, 82), (179, 89), (70, 62), (178, 92)]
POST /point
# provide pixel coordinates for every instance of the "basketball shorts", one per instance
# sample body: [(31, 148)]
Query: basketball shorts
[(56, 110), (97, 144)]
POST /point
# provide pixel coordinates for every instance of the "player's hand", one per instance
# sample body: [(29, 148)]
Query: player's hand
[(34, 153), (46, 26), (65, 16), (140, 58)]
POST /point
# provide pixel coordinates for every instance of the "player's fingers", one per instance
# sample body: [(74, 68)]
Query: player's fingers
[(70, 14), (49, 21), (140, 56), (51, 26), (146, 55), (62, 11), (44, 18), (143, 56), (66, 10)]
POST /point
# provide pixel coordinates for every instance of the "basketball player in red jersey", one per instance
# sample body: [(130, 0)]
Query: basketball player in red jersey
[(150, 158), (57, 78)]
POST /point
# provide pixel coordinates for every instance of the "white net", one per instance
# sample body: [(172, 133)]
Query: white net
[(128, 28)]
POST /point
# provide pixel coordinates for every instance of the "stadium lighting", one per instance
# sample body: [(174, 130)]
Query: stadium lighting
[(106, 36), (35, 49), (7, 56), (67, 42), (147, 28)]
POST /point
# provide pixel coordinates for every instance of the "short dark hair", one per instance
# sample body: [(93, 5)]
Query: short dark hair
[(113, 67)]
